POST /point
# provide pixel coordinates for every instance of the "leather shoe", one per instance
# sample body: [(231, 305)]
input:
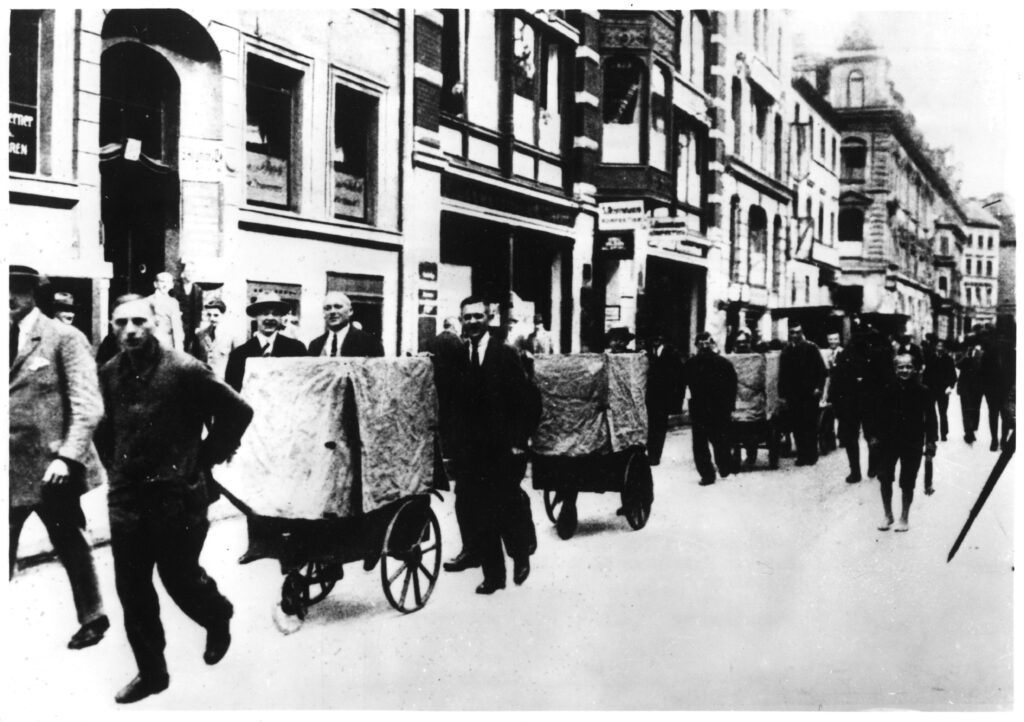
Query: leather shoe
[(89, 633), (218, 639), (707, 482), (461, 562), (520, 570), (489, 587), (140, 688), (853, 478)]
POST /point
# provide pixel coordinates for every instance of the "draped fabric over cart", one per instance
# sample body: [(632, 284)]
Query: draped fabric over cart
[(333, 437), (757, 387), (592, 403)]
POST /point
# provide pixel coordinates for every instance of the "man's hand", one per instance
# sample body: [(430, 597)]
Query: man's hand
[(57, 473), (929, 450), (516, 451)]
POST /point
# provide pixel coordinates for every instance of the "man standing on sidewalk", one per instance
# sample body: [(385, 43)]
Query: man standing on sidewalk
[(904, 423), (158, 402), (712, 383), (939, 376), (55, 405), (802, 376)]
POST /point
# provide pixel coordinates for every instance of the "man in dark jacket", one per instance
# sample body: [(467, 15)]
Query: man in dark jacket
[(341, 337), (969, 386), (268, 309), (939, 376), (904, 422), (848, 394), (994, 384), (664, 392), (189, 296), (802, 376), (158, 402), (495, 410), (712, 383)]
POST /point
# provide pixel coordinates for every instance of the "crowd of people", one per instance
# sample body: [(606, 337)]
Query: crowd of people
[(159, 405)]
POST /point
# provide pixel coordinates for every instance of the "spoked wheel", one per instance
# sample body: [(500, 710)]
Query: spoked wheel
[(321, 578), (294, 595), (552, 504), (637, 491), (411, 557)]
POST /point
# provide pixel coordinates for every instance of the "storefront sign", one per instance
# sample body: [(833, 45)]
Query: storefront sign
[(672, 235), (21, 138), (428, 294), (614, 245), (428, 271), (613, 313), (617, 215), (199, 158)]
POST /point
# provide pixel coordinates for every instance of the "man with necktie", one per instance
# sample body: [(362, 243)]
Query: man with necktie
[(268, 309), (341, 337)]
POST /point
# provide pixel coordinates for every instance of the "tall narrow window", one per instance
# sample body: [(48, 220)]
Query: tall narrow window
[(821, 143), (834, 154), (777, 146), (854, 154), (737, 116), (988, 268), (757, 229), (355, 133), (821, 223), (697, 40), (272, 95), (968, 267), (659, 120), (851, 224), (777, 255), (855, 89), (23, 133), (623, 91), (757, 30), (453, 87), (734, 239)]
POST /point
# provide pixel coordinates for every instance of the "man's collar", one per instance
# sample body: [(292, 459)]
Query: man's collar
[(143, 360), (264, 340)]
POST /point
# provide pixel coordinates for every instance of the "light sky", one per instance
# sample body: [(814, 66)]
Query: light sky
[(959, 74)]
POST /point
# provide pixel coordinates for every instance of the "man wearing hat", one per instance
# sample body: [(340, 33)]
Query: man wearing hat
[(55, 406), (64, 307), (212, 341), (618, 339), (268, 309)]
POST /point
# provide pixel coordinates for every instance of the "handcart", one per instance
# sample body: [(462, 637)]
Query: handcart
[(338, 467), (756, 420), (592, 435)]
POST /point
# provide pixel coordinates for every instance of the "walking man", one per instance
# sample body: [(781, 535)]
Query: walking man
[(939, 376), (664, 392), (159, 401), (848, 393), (904, 423), (268, 309), (495, 411), (712, 383), (969, 386), (55, 405), (801, 381), (167, 321), (342, 338)]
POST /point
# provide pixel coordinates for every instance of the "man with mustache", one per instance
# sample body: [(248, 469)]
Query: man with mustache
[(268, 309)]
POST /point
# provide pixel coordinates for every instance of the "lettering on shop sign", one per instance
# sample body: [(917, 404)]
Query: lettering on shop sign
[(616, 215), (508, 201), (199, 159), (428, 294), (21, 138), (266, 178), (613, 313), (349, 195), (614, 245)]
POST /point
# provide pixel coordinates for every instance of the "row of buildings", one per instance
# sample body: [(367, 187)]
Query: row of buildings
[(670, 169)]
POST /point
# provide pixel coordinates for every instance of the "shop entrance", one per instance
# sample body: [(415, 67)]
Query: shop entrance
[(673, 301)]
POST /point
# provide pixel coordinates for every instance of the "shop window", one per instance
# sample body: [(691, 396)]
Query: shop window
[(271, 135), (854, 155), (536, 112), (659, 120), (988, 268), (623, 90), (30, 91), (355, 133), (851, 224), (453, 49), (855, 89), (689, 162), (367, 295)]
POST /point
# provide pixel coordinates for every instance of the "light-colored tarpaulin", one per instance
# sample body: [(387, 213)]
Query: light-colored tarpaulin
[(592, 403), (757, 385), (296, 458)]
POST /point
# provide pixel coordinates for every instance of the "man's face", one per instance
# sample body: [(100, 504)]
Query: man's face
[(163, 283), (133, 324), (213, 316), (904, 367), (833, 341), (188, 272), (474, 320), (796, 334), (22, 299), (337, 311), (940, 348), (67, 317), (269, 321), (705, 345)]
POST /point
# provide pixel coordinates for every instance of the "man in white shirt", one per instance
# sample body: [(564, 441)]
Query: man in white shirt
[(342, 337), (268, 309), (168, 329)]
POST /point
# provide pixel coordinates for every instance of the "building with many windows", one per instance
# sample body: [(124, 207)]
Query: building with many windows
[(980, 265)]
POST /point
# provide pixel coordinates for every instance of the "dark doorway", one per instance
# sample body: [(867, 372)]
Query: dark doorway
[(140, 97), (667, 304)]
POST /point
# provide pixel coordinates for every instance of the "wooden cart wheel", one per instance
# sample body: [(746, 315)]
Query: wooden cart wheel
[(411, 557), (637, 491), (552, 504), (316, 576), (294, 593)]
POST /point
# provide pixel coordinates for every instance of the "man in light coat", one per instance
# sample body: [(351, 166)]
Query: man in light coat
[(167, 322), (55, 406)]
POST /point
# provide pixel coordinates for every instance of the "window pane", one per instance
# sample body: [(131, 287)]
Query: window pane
[(524, 62), (270, 102), (659, 121), (24, 89), (623, 84), (355, 116)]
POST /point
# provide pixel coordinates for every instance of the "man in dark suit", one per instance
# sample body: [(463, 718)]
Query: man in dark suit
[(55, 405), (268, 309), (712, 382), (848, 393), (664, 392), (939, 376), (802, 377), (904, 423), (159, 401), (189, 296), (342, 338), (495, 410)]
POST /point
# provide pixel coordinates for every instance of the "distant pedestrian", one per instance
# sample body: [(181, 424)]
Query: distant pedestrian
[(64, 307), (213, 340), (713, 384), (801, 382), (939, 376), (904, 424), (618, 339), (168, 328), (994, 385), (189, 295), (848, 394), (55, 406), (539, 341), (969, 386), (159, 403)]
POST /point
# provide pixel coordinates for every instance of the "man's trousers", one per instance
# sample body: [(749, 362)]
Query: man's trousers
[(713, 433)]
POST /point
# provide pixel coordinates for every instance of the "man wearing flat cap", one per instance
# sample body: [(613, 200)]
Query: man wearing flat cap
[(268, 309), (55, 406), (213, 342)]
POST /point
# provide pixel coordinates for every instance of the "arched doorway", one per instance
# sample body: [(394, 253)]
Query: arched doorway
[(139, 105)]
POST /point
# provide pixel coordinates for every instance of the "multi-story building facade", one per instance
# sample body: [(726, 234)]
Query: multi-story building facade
[(980, 265), (947, 302), (1006, 293)]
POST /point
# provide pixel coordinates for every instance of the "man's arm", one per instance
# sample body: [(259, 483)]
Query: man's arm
[(85, 404), (229, 412), (235, 369), (177, 328)]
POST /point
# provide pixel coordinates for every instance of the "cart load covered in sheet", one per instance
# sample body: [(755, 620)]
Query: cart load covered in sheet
[(757, 387), (592, 403), (333, 437)]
